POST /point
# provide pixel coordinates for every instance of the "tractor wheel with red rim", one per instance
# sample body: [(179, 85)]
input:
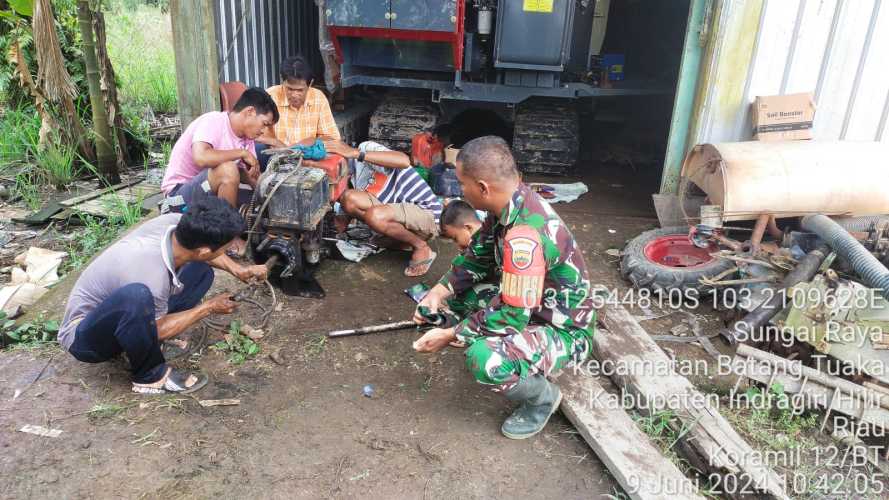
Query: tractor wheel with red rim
[(664, 259)]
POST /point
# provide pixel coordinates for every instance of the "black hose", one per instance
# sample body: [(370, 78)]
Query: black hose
[(872, 272), (744, 328), (861, 224)]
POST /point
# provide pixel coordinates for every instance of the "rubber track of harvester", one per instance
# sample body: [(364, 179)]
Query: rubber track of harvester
[(398, 118), (547, 135)]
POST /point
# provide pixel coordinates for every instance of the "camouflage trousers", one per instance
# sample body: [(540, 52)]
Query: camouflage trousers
[(502, 361)]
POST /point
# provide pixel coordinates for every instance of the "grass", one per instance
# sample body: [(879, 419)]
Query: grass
[(239, 347), (19, 134), (98, 233), (167, 151), (26, 186), (140, 44), (775, 424), (315, 345), (102, 411), (56, 164), (30, 335)]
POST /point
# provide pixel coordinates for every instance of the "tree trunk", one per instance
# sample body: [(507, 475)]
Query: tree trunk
[(109, 91), (104, 140)]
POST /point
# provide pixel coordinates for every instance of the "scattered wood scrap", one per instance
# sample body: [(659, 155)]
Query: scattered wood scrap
[(827, 391), (640, 468), (39, 430), (109, 202), (708, 441), (219, 402)]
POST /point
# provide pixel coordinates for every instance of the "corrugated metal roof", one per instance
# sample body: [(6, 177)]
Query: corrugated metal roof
[(255, 35), (834, 48)]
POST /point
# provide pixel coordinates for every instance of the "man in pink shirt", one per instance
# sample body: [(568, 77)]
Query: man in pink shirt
[(214, 156)]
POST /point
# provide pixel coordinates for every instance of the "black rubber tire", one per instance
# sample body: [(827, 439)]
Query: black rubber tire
[(546, 138), (636, 267)]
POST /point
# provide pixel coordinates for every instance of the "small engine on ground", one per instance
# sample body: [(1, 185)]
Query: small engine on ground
[(287, 217)]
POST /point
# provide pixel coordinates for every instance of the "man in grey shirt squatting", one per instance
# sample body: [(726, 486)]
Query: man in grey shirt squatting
[(147, 288)]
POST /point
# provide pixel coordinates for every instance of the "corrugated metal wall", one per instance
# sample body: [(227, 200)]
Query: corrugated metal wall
[(255, 35), (837, 49)]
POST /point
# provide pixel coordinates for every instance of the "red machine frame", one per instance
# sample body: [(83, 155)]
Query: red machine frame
[(454, 38)]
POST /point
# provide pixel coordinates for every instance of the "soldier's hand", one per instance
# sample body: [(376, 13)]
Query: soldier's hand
[(434, 300), (435, 340), (221, 304)]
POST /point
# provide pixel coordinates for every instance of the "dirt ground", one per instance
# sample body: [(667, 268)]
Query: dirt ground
[(305, 429)]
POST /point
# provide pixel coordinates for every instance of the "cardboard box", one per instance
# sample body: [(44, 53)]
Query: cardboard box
[(614, 67), (783, 117), (450, 154)]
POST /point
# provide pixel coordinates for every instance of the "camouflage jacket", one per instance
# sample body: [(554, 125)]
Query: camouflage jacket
[(565, 304)]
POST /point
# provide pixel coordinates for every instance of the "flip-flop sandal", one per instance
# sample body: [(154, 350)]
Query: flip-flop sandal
[(177, 348), (176, 382), (174, 348), (419, 264)]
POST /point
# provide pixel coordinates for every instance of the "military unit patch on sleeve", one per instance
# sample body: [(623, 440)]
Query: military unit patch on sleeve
[(524, 268)]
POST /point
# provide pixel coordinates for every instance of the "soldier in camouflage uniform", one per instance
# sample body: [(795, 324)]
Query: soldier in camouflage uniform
[(522, 287)]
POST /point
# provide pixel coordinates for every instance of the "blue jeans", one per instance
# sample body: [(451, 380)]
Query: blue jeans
[(194, 190), (263, 159), (125, 322)]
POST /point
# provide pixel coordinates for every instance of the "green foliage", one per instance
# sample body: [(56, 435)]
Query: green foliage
[(102, 411), (56, 164), (98, 233), (68, 31), (140, 44), (19, 135), (239, 347), (11, 91), (22, 7), (39, 331), (132, 5), (167, 151), (776, 422), (26, 187)]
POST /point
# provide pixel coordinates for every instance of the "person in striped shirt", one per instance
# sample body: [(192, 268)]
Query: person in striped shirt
[(391, 198)]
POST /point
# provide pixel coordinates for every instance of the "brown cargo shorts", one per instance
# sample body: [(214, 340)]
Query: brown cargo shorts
[(414, 218)]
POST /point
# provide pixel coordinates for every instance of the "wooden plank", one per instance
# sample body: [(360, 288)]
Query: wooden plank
[(822, 389), (640, 468), (99, 192), (709, 442), (108, 204), (40, 217)]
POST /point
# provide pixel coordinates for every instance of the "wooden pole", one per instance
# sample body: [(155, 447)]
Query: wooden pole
[(197, 64)]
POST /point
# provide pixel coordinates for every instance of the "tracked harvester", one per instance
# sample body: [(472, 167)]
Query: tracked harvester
[(520, 64)]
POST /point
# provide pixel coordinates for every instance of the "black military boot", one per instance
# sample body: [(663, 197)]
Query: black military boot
[(540, 399)]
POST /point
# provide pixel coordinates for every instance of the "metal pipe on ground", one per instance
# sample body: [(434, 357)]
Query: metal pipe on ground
[(744, 328)]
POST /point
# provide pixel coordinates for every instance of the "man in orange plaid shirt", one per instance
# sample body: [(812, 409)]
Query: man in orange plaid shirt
[(305, 112)]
